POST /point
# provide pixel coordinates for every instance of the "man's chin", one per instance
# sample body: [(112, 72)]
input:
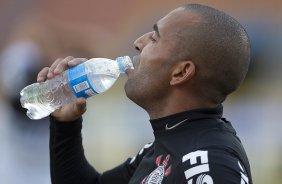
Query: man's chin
[(128, 91)]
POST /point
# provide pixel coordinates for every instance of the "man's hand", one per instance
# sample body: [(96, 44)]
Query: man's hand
[(69, 112)]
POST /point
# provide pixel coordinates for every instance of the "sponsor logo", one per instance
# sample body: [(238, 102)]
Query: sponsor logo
[(177, 124), (204, 179), (199, 164)]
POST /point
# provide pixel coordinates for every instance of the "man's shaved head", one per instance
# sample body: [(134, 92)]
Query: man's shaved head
[(219, 47)]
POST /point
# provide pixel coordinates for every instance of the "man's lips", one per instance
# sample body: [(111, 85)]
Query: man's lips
[(135, 60), (129, 70)]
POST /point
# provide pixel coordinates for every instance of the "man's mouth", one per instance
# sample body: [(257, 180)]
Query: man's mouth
[(129, 70), (132, 67), (135, 60)]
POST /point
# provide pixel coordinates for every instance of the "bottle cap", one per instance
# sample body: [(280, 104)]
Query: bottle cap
[(124, 63)]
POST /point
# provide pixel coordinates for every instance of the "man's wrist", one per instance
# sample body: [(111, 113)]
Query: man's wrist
[(66, 128)]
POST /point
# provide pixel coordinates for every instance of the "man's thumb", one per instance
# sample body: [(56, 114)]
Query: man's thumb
[(80, 106)]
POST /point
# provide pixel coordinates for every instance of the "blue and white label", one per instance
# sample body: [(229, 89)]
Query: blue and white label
[(79, 83)]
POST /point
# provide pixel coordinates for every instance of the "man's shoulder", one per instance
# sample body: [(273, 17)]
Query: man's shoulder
[(220, 133), (213, 153)]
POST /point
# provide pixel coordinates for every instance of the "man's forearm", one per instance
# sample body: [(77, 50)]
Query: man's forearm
[(68, 162)]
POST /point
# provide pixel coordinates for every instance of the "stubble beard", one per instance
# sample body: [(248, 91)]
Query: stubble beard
[(148, 98), (135, 94)]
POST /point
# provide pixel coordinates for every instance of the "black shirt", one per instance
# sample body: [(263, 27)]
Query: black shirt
[(194, 147)]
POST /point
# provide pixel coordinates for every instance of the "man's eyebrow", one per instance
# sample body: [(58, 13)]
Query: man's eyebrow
[(156, 29)]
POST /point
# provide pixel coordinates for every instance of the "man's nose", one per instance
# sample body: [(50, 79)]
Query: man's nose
[(140, 42)]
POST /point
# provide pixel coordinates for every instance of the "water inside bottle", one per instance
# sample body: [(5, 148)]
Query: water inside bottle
[(102, 75), (29, 100), (41, 99)]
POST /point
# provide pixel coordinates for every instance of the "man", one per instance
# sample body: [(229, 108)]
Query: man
[(186, 67)]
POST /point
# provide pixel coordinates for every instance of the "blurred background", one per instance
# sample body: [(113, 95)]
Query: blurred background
[(33, 33)]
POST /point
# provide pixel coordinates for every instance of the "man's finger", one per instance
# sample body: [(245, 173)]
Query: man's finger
[(63, 65), (42, 75), (76, 61), (80, 106), (52, 67)]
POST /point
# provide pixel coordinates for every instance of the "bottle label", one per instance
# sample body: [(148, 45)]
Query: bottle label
[(79, 82)]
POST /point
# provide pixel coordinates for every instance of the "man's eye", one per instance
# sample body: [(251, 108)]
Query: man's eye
[(152, 38)]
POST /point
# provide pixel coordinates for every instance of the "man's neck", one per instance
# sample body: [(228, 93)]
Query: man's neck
[(176, 106), (177, 100)]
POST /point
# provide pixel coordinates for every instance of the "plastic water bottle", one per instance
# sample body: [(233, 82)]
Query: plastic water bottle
[(84, 80)]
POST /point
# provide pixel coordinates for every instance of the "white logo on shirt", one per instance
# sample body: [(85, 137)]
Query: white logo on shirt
[(244, 178), (204, 179), (172, 127), (200, 167)]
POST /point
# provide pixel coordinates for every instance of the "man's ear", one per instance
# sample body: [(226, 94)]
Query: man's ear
[(182, 72)]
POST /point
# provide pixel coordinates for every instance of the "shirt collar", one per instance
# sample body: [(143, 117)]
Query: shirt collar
[(181, 119)]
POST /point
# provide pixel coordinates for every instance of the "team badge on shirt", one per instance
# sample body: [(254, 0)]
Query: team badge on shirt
[(162, 170)]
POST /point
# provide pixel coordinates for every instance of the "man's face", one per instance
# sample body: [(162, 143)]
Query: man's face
[(149, 82)]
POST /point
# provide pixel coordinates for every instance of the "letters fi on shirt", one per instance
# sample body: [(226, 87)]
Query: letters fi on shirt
[(199, 165), (198, 169)]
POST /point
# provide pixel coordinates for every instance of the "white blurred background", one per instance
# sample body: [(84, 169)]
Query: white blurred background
[(33, 33)]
